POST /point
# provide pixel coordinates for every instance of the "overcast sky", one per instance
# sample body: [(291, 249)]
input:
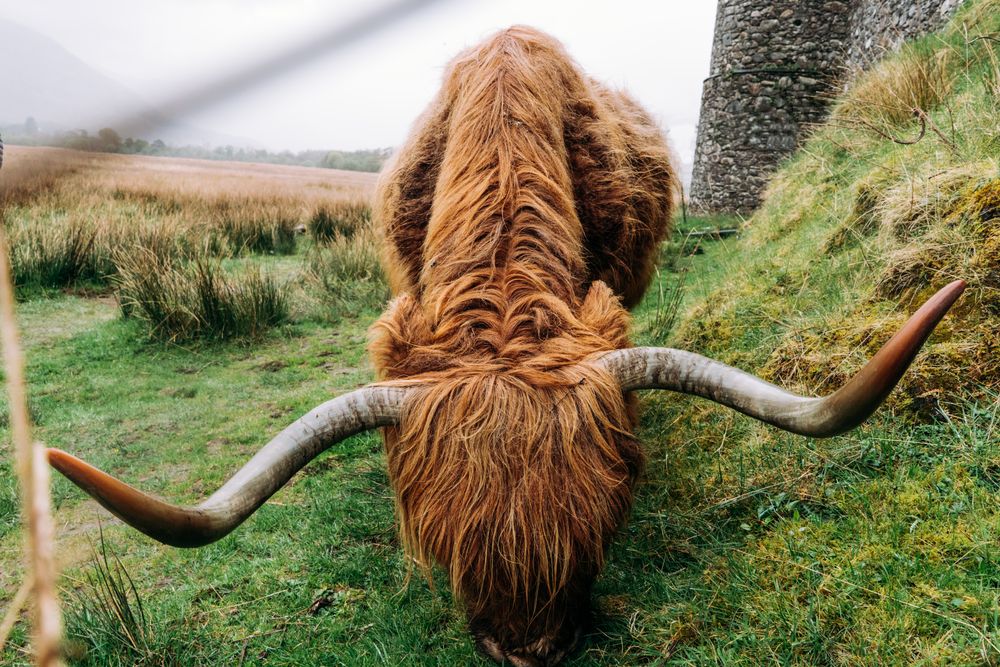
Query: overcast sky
[(367, 95)]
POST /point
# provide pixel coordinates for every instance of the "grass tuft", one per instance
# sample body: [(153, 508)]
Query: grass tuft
[(665, 311), (349, 273), (109, 617), (197, 299), (252, 229), (339, 219), (53, 256), (884, 98)]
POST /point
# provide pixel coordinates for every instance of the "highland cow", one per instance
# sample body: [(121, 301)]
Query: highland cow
[(521, 220)]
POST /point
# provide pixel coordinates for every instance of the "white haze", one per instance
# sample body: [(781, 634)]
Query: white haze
[(367, 94)]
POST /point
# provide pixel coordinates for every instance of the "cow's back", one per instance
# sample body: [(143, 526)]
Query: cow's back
[(622, 177)]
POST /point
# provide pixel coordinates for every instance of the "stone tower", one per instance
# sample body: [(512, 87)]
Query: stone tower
[(776, 64)]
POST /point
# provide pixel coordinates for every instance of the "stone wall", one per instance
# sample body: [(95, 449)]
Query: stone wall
[(880, 26), (775, 66)]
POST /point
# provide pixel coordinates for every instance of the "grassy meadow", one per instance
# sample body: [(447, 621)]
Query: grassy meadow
[(178, 313)]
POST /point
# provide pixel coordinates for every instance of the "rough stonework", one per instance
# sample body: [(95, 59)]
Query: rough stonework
[(775, 67), (881, 26)]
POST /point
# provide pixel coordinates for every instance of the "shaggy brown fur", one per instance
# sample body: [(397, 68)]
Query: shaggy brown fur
[(525, 209)]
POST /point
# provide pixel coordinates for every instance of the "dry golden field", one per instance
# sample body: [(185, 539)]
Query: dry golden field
[(157, 231), (114, 194), (207, 177)]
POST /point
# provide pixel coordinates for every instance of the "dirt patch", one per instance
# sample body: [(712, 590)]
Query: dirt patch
[(45, 322), (216, 445), (273, 366)]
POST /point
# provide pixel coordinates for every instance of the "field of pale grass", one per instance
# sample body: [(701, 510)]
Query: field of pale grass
[(174, 239)]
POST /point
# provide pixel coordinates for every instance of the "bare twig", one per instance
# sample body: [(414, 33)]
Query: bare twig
[(896, 140), (924, 118), (33, 472), (925, 122), (14, 611), (985, 38)]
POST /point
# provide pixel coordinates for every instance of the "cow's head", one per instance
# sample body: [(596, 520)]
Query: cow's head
[(513, 478)]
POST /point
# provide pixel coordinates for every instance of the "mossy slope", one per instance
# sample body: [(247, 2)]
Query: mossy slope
[(857, 230)]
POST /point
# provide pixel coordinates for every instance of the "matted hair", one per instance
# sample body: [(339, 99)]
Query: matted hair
[(521, 216)]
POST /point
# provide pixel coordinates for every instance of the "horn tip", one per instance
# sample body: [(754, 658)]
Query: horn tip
[(77, 471), (57, 457), (957, 286), (948, 295)]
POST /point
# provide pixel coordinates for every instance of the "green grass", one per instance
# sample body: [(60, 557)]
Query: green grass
[(347, 272), (9, 502), (857, 231), (746, 545)]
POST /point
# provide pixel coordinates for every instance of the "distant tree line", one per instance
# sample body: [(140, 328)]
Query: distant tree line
[(107, 140)]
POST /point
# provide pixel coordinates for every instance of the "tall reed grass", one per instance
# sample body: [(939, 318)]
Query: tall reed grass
[(53, 256), (340, 218), (72, 251), (68, 214), (33, 477), (349, 273), (178, 300)]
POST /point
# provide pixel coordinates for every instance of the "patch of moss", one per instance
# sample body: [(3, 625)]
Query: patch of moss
[(864, 218), (827, 275), (980, 206)]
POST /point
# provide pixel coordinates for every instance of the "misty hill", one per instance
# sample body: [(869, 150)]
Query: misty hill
[(43, 80)]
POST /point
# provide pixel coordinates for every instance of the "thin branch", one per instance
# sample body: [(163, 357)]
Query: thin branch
[(896, 140), (989, 38), (924, 118), (925, 122), (33, 472), (14, 610)]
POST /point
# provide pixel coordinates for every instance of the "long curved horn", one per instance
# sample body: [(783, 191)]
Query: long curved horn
[(269, 470), (677, 370)]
